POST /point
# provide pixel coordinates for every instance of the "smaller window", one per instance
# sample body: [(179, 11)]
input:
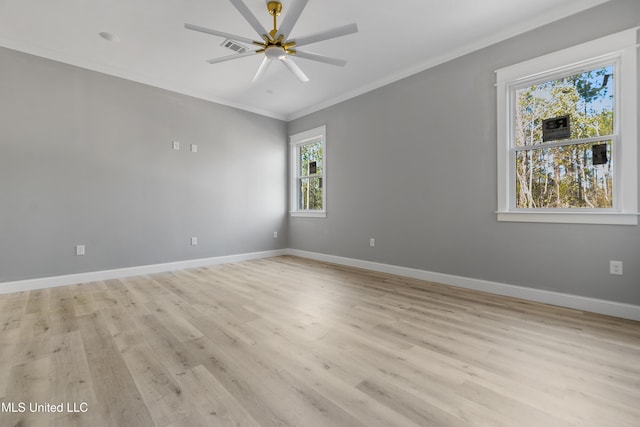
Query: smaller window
[(308, 170)]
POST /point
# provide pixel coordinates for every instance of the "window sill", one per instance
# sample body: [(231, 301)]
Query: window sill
[(308, 214), (613, 218)]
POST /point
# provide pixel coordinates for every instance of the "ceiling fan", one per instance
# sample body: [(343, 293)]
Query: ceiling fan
[(276, 44)]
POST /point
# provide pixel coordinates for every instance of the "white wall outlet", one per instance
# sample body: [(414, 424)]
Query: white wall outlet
[(372, 242), (194, 148), (275, 234), (176, 145), (80, 250), (615, 267), (194, 241)]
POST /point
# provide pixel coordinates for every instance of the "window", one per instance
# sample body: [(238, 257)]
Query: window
[(567, 135), (308, 170)]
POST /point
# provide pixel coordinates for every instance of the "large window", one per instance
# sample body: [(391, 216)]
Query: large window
[(567, 135), (308, 170), (563, 140)]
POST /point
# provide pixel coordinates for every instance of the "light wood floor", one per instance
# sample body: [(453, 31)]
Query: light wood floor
[(287, 341)]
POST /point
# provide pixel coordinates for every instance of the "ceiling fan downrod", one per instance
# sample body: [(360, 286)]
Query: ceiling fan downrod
[(276, 48), (274, 8)]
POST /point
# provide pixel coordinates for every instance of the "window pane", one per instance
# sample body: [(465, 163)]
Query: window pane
[(311, 159), (565, 177), (587, 98), (310, 191)]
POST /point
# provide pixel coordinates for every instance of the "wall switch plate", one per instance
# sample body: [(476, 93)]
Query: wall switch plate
[(275, 234), (615, 267), (194, 148), (80, 250), (372, 242), (176, 145), (194, 241)]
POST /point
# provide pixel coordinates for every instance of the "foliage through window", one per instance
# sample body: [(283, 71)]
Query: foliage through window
[(308, 192), (557, 173), (567, 135), (310, 176)]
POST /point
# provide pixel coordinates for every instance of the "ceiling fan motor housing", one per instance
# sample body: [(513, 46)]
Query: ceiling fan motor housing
[(275, 52)]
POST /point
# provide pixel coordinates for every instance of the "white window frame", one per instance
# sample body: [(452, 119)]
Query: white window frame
[(311, 136), (619, 48)]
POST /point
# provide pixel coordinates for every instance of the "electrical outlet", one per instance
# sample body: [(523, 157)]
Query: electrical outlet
[(194, 148), (615, 267), (194, 241), (80, 250), (275, 234), (176, 145), (372, 242)]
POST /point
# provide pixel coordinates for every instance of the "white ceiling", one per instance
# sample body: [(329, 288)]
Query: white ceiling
[(395, 39)]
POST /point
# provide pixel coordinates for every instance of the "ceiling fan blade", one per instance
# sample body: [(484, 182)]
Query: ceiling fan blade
[(291, 18), (218, 33), (262, 69), (230, 57), (326, 35), (320, 58), (250, 17), (293, 67)]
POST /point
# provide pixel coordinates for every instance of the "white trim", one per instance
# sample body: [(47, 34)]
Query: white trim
[(308, 135), (308, 214), (620, 48), (610, 308), (611, 218), (318, 134), (119, 273), (627, 154)]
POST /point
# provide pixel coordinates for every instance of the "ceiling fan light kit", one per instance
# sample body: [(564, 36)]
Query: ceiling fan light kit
[(275, 44), (275, 52)]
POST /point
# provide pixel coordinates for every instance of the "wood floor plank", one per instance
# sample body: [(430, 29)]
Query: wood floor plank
[(173, 352), (290, 398), (119, 402), (215, 406), (29, 385), (333, 383), (63, 317), (225, 370), (161, 393), (287, 341), (39, 301), (13, 309), (417, 410), (71, 381)]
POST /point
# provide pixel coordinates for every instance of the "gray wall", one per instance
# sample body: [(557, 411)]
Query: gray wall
[(86, 158), (413, 164)]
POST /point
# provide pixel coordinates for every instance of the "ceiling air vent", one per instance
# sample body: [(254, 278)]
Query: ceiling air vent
[(234, 46)]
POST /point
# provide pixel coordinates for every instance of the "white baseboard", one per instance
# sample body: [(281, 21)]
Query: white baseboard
[(94, 276), (610, 308)]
